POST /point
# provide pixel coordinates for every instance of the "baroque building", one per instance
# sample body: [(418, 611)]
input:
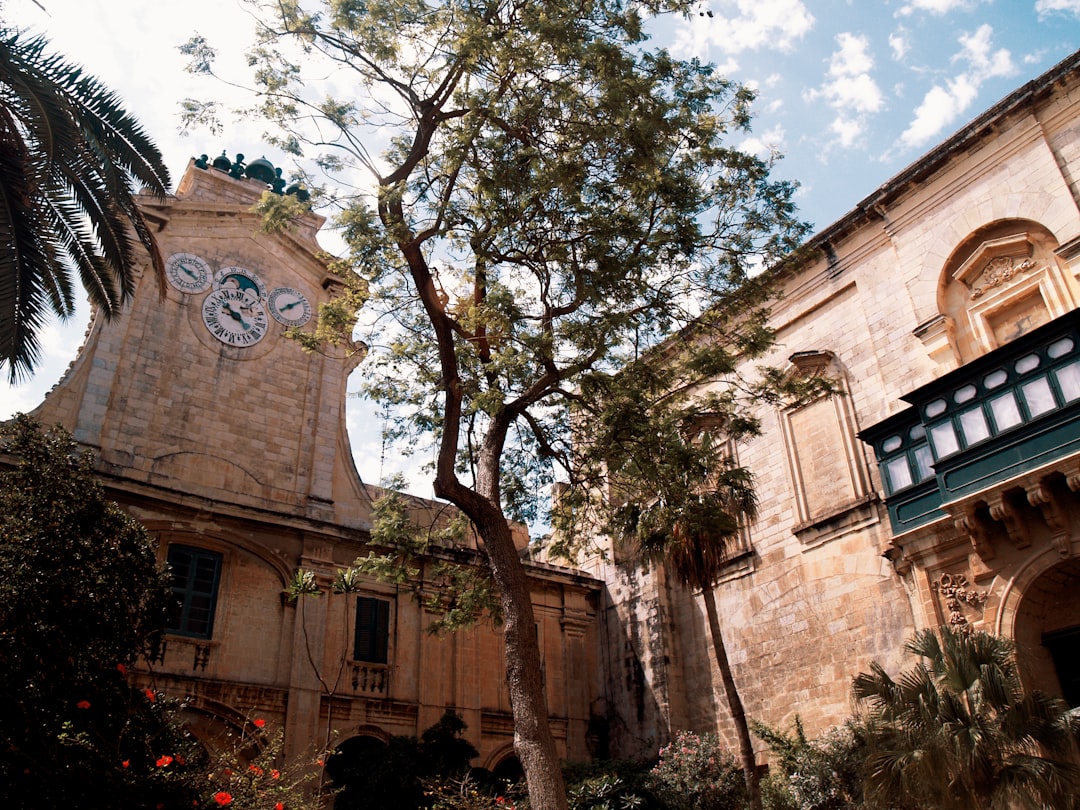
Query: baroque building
[(939, 486)]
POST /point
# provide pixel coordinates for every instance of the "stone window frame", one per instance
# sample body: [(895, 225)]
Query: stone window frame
[(858, 511)]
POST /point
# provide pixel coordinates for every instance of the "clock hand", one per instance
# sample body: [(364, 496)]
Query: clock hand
[(236, 316), (289, 306), (187, 270)]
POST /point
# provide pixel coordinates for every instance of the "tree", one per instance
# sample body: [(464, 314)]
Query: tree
[(555, 197), (70, 156), (695, 505), (81, 599), (960, 731)]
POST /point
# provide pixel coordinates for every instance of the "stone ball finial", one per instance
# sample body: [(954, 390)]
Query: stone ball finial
[(237, 169)]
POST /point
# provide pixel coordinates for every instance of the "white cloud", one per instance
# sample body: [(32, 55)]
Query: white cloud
[(943, 104), (752, 25), (899, 44), (938, 7), (1044, 8), (850, 90), (767, 145)]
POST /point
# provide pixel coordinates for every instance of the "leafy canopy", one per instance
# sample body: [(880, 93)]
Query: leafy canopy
[(553, 197)]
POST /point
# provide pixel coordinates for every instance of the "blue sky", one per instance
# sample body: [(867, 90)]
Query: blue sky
[(849, 91)]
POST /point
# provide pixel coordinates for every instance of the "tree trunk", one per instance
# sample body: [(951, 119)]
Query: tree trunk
[(533, 740), (735, 706)]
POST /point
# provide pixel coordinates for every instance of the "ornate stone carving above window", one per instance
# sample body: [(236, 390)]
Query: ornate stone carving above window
[(1001, 282)]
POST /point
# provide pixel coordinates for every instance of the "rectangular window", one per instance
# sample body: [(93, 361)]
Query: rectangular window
[(1006, 411), (195, 575), (943, 437), (973, 423), (1038, 396), (372, 630), (1068, 377)]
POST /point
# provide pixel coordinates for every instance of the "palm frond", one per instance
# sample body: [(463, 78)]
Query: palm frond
[(70, 156)]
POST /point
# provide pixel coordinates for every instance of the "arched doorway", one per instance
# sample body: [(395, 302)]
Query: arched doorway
[(1047, 631)]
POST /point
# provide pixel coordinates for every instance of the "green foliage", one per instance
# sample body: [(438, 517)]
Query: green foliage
[(71, 163), (610, 785), (254, 775), (459, 593), (820, 774), (695, 773), (81, 598), (959, 730)]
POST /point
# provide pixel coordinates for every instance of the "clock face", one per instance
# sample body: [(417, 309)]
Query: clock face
[(289, 306), (240, 278), (188, 273), (234, 316)]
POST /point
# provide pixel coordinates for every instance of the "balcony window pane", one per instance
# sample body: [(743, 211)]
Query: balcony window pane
[(973, 423), (964, 394), (934, 408), (917, 432), (899, 474), (1027, 363), (1060, 348), (943, 437), (995, 378), (1038, 396), (923, 462), (1005, 410), (891, 443), (1068, 377)]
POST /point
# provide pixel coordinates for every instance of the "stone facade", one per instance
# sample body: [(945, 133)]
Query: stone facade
[(228, 442), (942, 269)]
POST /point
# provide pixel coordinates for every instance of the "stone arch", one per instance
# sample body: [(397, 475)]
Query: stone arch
[(1039, 604), (504, 765), (1000, 281)]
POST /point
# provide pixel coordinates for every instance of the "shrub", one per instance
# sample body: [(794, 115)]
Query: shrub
[(820, 774), (695, 773)]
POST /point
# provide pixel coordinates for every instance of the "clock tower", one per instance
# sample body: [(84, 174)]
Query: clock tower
[(196, 388)]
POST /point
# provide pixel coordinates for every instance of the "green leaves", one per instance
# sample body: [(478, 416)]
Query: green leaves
[(959, 730), (71, 162)]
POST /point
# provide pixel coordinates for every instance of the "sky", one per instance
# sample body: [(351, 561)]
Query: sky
[(848, 91)]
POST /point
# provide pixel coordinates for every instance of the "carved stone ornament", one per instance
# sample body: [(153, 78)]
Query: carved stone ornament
[(957, 592), (998, 271)]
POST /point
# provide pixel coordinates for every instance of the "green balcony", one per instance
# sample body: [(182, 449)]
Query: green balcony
[(1012, 411)]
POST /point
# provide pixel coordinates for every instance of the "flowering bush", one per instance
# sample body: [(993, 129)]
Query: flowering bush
[(819, 774), (695, 773)]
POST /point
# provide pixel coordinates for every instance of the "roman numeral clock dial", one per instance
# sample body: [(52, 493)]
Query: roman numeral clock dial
[(238, 308)]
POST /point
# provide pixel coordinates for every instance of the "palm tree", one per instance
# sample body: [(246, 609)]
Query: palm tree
[(691, 536), (959, 730), (70, 157)]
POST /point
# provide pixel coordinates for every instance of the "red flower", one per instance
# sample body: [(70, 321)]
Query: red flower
[(83, 704), (259, 722), (125, 763), (164, 761), (223, 798), (121, 669), (150, 695), (274, 773), (279, 806), (255, 769), (227, 772)]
